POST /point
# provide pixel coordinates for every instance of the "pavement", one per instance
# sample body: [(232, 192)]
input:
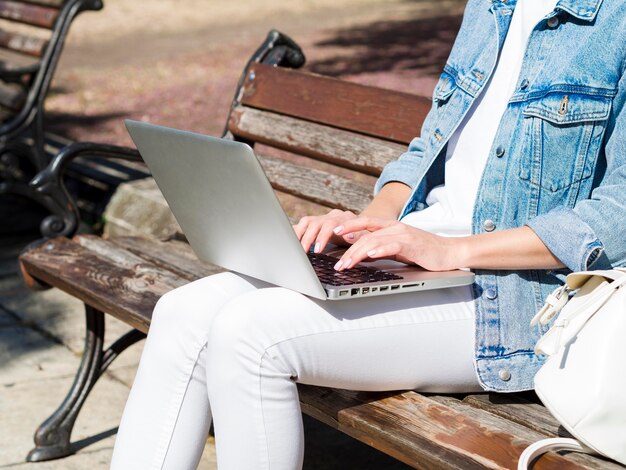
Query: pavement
[(178, 66)]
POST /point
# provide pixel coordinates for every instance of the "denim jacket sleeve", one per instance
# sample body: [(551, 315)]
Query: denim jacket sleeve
[(406, 168), (595, 226)]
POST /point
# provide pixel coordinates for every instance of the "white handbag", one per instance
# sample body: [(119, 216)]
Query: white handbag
[(583, 381)]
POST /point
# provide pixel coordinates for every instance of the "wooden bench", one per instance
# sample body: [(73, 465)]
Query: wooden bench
[(32, 36), (324, 141)]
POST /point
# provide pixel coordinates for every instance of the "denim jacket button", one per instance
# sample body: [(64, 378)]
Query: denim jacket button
[(500, 151), (524, 84), (489, 225), (491, 294), (504, 375), (553, 22)]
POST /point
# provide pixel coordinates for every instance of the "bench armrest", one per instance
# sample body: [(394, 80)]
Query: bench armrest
[(50, 191)]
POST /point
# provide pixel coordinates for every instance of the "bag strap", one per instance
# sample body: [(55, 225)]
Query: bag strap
[(546, 445)]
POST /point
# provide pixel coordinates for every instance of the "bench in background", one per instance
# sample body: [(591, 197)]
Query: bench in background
[(324, 141), (32, 36)]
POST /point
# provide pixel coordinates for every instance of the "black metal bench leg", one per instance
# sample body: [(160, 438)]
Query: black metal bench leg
[(52, 438)]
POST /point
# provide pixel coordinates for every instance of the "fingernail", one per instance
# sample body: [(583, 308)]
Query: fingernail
[(317, 247), (371, 253), (351, 236), (338, 265), (338, 229)]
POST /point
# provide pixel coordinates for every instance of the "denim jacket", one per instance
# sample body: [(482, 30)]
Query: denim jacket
[(559, 168)]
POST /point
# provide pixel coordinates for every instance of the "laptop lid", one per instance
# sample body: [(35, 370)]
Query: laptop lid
[(225, 205)]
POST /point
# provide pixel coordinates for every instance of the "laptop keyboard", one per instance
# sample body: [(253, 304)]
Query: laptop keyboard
[(324, 268)]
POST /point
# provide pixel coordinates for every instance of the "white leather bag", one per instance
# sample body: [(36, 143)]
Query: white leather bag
[(583, 382)]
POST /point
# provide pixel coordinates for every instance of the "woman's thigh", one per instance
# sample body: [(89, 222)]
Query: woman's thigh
[(419, 340)]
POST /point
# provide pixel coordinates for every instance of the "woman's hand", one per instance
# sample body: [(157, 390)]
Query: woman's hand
[(511, 249), (391, 239), (318, 230)]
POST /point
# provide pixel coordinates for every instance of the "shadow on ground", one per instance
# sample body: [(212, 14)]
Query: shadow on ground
[(383, 46), (65, 123)]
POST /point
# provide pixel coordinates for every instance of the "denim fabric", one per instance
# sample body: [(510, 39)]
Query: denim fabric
[(563, 172)]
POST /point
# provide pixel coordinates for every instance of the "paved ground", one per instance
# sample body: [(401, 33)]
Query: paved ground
[(177, 63)]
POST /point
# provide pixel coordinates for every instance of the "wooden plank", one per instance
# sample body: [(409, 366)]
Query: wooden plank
[(50, 3), (515, 407), (10, 61), (20, 43), (576, 459), (12, 95), (127, 289), (316, 185), (174, 255), (426, 434), (34, 15), (339, 147), (377, 112)]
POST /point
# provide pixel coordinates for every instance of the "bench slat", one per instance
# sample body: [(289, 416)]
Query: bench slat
[(339, 147), (127, 292), (12, 95), (315, 185), (516, 408), (50, 3), (20, 43), (575, 460), (426, 434), (34, 15), (175, 256), (390, 115)]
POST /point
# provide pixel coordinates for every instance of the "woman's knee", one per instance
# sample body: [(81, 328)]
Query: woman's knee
[(189, 309), (244, 330)]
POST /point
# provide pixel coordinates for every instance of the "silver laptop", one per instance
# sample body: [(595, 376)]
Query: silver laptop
[(228, 211)]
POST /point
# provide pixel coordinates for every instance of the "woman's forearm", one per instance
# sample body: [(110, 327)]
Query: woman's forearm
[(389, 201), (518, 248)]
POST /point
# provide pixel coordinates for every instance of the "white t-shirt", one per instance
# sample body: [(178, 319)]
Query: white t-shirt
[(451, 205)]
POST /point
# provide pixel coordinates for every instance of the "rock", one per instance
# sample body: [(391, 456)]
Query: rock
[(138, 208)]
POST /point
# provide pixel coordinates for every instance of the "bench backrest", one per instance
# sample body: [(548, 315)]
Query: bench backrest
[(324, 140), (31, 36)]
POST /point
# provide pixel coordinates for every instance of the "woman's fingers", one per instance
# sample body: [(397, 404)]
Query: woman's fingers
[(317, 231), (372, 233), (310, 234), (371, 246), (359, 224), (300, 227), (324, 236)]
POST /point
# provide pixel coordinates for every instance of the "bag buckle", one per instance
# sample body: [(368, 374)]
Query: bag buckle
[(554, 304)]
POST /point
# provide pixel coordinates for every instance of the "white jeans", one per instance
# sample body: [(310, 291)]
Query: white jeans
[(227, 348)]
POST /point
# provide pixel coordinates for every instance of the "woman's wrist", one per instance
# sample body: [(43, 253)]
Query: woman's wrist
[(518, 248), (389, 201), (461, 252)]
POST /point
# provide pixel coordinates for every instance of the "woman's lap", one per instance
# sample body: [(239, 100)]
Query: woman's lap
[(252, 342), (402, 333)]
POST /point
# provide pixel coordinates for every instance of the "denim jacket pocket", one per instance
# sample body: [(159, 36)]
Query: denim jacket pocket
[(562, 138)]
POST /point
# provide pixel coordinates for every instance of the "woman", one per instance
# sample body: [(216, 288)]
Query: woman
[(520, 171)]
